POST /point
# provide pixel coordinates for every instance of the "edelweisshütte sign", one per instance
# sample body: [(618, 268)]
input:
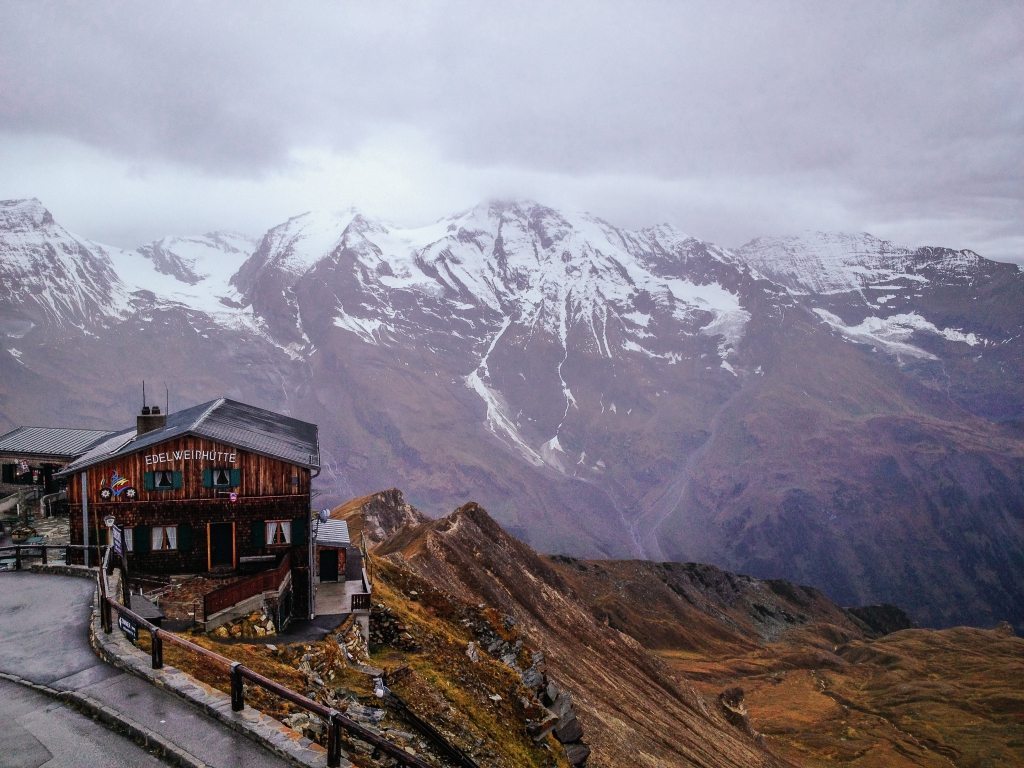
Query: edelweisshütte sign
[(191, 454)]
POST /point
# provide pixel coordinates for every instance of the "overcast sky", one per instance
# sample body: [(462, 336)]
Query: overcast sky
[(729, 120)]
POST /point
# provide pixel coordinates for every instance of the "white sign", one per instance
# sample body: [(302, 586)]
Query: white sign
[(191, 454)]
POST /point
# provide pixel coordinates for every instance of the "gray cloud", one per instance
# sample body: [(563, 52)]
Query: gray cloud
[(719, 117)]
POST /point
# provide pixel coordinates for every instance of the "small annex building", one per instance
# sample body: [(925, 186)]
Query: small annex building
[(331, 544), (219, 487), (32, 456)]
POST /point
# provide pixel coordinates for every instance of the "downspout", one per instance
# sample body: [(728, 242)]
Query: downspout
[(85, 514), (314, 527), (314, 520)]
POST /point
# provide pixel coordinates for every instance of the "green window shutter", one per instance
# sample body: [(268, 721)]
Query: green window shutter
[(299, 530), (141, 539), (208, 477), (259, 533), (236, 478), (149, 481), (185, 537), (178, 480)]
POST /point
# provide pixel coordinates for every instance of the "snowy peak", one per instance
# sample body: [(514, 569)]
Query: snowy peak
[(23, 215), (529, 264), (837, 262), (48, 275), (293, 247), (825, 262)]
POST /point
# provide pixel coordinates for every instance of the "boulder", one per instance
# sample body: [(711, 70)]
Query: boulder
[(577, 753), (568, 729)]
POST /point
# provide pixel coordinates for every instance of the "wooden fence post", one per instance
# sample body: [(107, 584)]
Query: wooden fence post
[(237, 687), (157, 644), (333, 740), (106, 620)]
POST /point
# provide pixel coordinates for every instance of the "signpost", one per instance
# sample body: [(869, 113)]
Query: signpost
[(126, 625)]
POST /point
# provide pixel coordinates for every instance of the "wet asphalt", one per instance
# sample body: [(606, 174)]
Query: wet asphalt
[(44, 639), (40, 731)]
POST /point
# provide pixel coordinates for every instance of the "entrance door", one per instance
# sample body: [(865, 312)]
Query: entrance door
[(222, 545), (328, 565)]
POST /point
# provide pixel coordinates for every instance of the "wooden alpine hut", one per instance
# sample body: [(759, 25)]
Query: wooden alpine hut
[(219, 487)]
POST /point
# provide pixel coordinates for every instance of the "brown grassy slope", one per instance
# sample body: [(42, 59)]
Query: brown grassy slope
[(633, 710), (820, 690), (480, 706), (701, 608)]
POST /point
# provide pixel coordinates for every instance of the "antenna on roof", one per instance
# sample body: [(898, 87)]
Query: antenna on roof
[(143, 393), (167, 399)]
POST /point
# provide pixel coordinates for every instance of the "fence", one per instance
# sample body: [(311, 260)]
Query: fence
[(232, 594), (239, 675), (22, 551)]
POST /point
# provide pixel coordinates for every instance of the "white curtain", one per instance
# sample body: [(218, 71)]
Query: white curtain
[(279, 532), (171, 532)]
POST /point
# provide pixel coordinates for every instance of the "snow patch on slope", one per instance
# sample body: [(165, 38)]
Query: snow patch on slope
[(893, 333), (497, 418)]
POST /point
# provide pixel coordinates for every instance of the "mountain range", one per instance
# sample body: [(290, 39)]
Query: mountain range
[(829, 408)]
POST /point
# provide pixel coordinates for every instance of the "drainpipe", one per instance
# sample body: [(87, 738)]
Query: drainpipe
[(313, 530), (85, 515)]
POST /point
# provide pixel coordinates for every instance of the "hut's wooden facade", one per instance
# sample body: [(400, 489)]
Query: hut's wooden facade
[(220, 498), (219, 487)]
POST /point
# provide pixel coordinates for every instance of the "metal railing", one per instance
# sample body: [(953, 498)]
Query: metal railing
[(361, 601), (239, 675)]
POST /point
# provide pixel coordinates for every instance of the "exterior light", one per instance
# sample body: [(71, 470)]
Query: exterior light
[(109, 521)]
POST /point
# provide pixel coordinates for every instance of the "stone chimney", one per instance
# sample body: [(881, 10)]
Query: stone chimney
[(149, 419)]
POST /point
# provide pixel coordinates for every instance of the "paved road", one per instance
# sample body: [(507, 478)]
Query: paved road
[(39, 731), (44, 638)]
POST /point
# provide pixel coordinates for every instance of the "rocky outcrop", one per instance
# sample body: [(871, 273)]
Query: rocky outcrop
[(257, 624)]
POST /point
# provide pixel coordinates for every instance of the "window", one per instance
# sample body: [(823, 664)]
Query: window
[(162, 480), (164, 538), (222, 477), (279, 532)]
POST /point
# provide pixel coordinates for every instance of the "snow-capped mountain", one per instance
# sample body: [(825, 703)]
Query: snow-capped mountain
[(51, 275), (831, 408)]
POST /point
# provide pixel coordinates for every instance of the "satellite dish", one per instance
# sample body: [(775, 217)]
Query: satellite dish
[(324, 514)]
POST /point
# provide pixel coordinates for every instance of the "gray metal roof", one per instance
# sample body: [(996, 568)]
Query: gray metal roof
[(333, 533), (50, 441), (227, 421)]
